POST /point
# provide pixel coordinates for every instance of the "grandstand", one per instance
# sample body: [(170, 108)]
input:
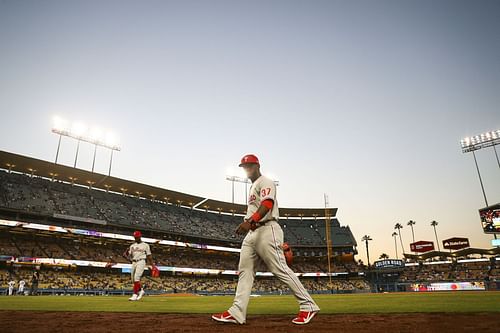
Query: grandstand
[(39, 190), (73, 226), (55, 217)]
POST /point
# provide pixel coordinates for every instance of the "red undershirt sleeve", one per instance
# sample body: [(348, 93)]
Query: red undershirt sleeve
[(268, 203)]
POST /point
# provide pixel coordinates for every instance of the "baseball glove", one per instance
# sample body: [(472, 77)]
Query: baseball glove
[(155, 272), (287, 250)]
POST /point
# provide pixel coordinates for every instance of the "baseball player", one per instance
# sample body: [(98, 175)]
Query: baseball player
[(35, 278), (11, 284), (263, 243), (20, 290), (138, 253)]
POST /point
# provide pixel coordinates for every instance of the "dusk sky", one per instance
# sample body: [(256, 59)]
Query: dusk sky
[(363, 100)]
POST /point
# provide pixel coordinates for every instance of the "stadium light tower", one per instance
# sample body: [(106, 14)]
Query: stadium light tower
[(80, 132), (237, 179), (240, 179), (484, 140)]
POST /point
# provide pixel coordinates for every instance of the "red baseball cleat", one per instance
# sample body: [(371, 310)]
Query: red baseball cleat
[(224, 317), (304, 317)]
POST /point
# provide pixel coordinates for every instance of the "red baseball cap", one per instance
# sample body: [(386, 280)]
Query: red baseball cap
[(249, 159), (137, 234)]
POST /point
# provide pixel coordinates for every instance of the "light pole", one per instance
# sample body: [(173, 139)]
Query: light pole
[(110, 162), (366, 239), (328, 234), (58, 147), (480, 179), (395, 235), (496, 154), (93, 159), (76, 155), (434, 224)]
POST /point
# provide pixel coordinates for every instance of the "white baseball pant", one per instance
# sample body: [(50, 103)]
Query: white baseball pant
[(137, 270), (264, 245)]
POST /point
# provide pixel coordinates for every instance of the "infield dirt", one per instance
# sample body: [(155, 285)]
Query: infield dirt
[(95, 322)]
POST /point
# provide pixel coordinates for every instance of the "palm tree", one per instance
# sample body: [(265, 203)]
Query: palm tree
[(398, 226), (367, 238), (395, 234), (411, 224), (383, 256), (434, 224)]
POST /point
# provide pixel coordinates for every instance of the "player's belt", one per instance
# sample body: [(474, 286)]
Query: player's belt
[(138, 260), (263, 223)]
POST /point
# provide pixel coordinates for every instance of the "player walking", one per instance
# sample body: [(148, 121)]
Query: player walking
[(138, 253), (11, 284), (20, 290), (263, 243)]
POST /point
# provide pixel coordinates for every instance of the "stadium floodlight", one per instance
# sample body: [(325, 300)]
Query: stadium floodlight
[(476, 142), (79, 129), (111, 140), (238, 179), (241, 179), (95, 134), (484, 140), (59, 123), (81, 132), (271, 176)]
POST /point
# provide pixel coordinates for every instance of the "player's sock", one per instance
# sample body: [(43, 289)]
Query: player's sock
[(137, 287)]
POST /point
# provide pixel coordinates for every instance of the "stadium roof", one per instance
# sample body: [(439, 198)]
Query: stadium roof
[(33, 166), (223, 206), (455, 254)]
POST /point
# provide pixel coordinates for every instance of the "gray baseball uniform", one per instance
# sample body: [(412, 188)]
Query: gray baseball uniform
[(264, 245), (138, 253), (11, 284)]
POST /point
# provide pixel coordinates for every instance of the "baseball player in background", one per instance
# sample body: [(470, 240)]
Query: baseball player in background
[(20, 290), (11, 284), (263, 243), (138, 253), (35, 278)]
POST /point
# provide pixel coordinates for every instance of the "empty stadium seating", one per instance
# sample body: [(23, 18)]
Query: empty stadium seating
[(42, 196)]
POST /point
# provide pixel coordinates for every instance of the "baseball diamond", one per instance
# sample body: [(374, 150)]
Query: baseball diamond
[(249, 166), (443, 312)]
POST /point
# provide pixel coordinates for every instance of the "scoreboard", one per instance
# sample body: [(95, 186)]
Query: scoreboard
[(490, 219)]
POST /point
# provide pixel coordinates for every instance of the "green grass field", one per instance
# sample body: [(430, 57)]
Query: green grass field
[(330, 304)]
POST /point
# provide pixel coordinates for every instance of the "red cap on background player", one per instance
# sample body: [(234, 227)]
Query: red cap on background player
[(249, 159), (137, 234)]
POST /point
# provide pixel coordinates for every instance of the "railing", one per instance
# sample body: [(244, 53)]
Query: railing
[(128, 292)]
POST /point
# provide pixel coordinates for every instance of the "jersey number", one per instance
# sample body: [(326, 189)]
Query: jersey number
[(265, 192)]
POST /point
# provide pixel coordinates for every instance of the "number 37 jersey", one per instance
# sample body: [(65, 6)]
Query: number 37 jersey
[(262, 189)]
